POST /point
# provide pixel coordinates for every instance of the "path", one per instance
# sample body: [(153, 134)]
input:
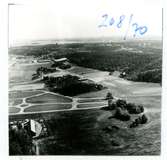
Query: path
[(75, 102)]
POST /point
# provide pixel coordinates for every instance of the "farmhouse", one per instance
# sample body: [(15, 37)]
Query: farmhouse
[(33, 127), (61, 62)]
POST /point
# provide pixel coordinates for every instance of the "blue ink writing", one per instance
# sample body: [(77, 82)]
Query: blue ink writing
[(137, 29), (104, 24), (121, 18), (111, 21)]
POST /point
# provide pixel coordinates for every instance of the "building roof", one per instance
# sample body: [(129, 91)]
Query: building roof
[(60, 59), (35, 127)]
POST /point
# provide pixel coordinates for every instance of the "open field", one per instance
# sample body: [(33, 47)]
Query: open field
[(27, 86), (47, 107), (78, 126), (92, 105), (90, 100), (48, 98), (23, 72), (76, 130), (13, 110), (15, 102), (23, 94), (81, 70)]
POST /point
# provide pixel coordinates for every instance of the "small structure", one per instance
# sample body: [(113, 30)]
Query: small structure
[(60, 60), (43, 61), (36, 128), (33, 127)]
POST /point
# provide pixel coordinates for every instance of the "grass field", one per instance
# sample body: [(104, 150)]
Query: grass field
[(47, 107), (13, 110), (15, 102), (23, 72), (81, 70), (23, 94), (90, 100), (91, 105), (48, 98)]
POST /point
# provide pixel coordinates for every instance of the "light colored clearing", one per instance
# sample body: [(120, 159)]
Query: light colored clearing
[(153, 90), (13, 110), (97, 77), (122, 81), (57, 74), (81, 70), (109, 84), (104, 116), (27, 87), (116, 74), (134, 50), (47, 107), (23, 72), (94, 94)]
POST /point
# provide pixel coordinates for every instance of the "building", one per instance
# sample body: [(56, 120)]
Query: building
[(35, 127), (60, 60)]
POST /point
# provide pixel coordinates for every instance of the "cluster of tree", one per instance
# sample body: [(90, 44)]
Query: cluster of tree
[(130, 107), (45, 70), (140, 120), (154, 75), (42, 70), (122, 108), (65, 66), (146, 66), (34, 50), (20, 142), (70, 85), (122, 114), (61, 65)]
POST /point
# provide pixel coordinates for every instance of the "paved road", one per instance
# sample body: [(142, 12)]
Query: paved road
[(75, 102)]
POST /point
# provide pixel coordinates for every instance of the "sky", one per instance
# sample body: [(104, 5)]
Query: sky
[(53, 19)]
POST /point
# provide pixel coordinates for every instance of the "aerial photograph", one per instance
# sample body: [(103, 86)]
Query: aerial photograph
[(84, 86)]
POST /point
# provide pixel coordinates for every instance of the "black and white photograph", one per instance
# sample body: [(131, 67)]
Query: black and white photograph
[(85, 78)]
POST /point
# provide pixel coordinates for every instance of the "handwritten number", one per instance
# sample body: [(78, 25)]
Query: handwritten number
[(111, 21), (103, 24), (138, 30), (141, 30), (121, 18)]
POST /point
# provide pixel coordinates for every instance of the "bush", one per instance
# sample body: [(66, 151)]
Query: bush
[(111, 105), (134, 109), (109, 96), (121, 114), (121, 103), (140, 120), (70, 85)]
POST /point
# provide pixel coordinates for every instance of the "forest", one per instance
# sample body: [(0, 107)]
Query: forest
[(140, 60)]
